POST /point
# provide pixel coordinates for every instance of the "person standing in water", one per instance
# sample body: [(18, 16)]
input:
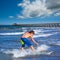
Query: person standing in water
[(25, 41)]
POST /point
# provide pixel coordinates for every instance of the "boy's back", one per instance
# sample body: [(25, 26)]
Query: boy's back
[(26, 35)]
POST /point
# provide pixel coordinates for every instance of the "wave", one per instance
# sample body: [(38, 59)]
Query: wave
[(41, 31), (38, 31), (18, 33), (35, 36), (27, 52), (15, 33), (56, 43), (43, 35)]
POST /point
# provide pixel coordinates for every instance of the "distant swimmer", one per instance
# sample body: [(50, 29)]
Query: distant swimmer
[(25, 41)]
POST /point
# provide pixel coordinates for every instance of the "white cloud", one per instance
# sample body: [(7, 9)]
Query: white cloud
[(19, 16), (57, 14), (11, 16), (38, 8)]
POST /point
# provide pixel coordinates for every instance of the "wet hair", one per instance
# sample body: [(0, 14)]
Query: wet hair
[(32, 32)]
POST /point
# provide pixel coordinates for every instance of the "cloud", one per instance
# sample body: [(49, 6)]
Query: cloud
[(38, 8), (57, 14), (20, 17), (11, 16)]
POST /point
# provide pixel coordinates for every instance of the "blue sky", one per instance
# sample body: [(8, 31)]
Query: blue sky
[(29, 11)]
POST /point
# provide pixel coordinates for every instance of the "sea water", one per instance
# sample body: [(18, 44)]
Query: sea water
[(48, 39)]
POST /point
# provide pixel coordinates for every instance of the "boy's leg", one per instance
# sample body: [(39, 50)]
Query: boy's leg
[(23, 44), (23, 47), (32, 48), (28, 43)]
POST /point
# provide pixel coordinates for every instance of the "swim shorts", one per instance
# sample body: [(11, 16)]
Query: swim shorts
[(25, 41)]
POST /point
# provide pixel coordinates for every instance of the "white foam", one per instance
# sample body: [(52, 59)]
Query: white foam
[(54, 42), (18, 53), (57, 43), (15, 33), (38, 31), (42, 47), (18, 33), (41, 31), (43, 35)]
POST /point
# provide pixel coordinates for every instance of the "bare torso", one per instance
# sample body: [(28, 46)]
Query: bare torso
[(26, 35)]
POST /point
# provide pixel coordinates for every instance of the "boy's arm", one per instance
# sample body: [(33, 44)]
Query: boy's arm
[(34, 41)]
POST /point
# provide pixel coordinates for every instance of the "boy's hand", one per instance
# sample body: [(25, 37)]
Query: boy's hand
[(34, 41), (37, 44)]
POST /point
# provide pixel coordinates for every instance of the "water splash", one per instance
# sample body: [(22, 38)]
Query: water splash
[(18, 53)]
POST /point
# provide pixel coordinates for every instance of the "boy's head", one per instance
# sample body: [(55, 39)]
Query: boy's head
[(32, 32)]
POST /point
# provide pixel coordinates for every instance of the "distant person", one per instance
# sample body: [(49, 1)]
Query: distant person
[(25, 41)]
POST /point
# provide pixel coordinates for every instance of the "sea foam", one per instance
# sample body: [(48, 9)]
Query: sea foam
[(19, 53)]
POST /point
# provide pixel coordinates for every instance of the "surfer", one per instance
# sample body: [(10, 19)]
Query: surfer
[(25, 41)]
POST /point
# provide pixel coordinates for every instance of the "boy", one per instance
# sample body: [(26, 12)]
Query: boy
[(24, 40)]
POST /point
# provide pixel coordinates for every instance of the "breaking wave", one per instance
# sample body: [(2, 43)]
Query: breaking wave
[(15, 33), (18, 53), (44, 35)]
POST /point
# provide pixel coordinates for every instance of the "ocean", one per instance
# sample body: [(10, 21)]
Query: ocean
[(47, 37)]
